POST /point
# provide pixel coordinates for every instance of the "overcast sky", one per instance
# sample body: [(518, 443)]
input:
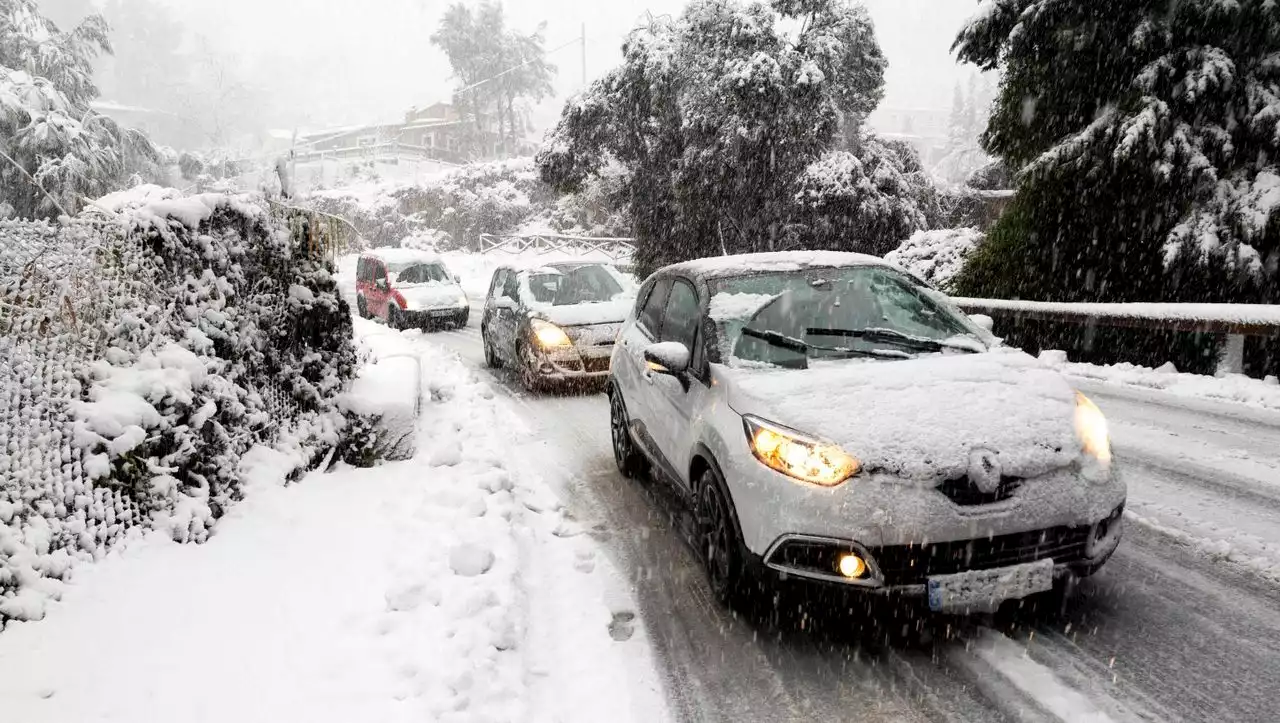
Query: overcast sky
[(372, 58)]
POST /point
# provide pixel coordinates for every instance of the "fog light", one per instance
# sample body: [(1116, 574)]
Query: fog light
[(852, 566)]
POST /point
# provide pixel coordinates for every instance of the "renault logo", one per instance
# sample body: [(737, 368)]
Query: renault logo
[(984, 470)]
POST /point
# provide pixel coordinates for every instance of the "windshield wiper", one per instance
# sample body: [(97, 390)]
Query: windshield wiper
[(892, 336), (789, 342)]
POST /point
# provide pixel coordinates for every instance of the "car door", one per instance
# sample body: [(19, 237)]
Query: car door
[(378, 289), (674, 400), (630, 370), (506, 317)]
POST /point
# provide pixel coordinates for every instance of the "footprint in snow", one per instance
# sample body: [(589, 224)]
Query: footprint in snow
[(585, 561), (623, 626)]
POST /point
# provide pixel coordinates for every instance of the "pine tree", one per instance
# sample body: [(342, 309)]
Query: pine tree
[(1148, 141)]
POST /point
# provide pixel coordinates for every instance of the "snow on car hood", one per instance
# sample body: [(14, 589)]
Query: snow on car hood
[(921, 418), (602, 312), (432, 295)]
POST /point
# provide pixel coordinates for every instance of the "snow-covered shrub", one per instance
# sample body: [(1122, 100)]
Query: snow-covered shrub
[(147, 346), (936, 256)]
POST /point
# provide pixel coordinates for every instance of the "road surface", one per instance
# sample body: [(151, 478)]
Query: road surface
[(1165, 632)]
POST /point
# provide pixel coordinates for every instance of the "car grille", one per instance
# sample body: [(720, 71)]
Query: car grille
[(913, 564), (965, 493), (598, 364)]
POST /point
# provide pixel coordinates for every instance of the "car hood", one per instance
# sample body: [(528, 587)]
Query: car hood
[(604, 312), (437, 294), (922, 418)]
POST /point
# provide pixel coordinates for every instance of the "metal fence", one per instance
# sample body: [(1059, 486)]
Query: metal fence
[(1231, 322), (616, 249)]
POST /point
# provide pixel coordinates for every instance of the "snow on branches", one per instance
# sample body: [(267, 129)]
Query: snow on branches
[(149, 346), (59, 152), (715, 116), (1181, 103)]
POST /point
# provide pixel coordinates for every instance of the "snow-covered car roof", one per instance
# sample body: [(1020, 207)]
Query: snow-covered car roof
[(742, 264), (391, 256)]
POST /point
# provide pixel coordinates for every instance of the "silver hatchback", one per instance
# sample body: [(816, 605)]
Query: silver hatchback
[(832, 418)]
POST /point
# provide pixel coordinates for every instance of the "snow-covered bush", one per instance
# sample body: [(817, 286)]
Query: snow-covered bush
[(148, 345), (936, 256)]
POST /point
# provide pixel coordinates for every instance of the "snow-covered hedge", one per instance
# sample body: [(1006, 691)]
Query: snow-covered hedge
[(456, 207), (146, 346), (936, 256)]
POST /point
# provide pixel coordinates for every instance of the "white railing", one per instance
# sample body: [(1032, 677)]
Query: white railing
[(1232, 322), (616, 249)]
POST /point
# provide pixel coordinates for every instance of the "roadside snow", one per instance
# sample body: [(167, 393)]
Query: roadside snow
[(433, 589), (1237, 388)]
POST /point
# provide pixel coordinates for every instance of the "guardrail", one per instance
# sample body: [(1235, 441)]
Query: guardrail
[(616, 249), (387, 151), (1232, 322)]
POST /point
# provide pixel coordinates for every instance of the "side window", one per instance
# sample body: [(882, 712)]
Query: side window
[(366, 270), (511, 287), (643, 297), (683, 313), (651, 315), (411, 275), (495, 286)]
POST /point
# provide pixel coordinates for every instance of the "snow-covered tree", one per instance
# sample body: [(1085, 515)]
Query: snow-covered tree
[(56, 150), (739, 126), (1147, 136), (497, 68), (969, 113)]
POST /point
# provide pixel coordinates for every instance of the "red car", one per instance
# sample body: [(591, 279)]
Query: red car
[(409, 288)]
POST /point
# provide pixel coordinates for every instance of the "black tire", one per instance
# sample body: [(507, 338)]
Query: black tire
[(730, 578), (362, 307), (528, 375), (393, 317), (631, 461), (491, 359)]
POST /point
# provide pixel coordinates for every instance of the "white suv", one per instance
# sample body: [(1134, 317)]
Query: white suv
[(831, 417)]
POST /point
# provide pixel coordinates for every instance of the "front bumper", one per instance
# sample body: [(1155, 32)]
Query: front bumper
[(904, 570), (569, 365), (430, 317), (908, 530)]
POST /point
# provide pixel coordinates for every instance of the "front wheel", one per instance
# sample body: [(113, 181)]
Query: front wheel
[(362, 307), (393, 317), (491, 359), (528, 371), (631, 463), (721, 550)]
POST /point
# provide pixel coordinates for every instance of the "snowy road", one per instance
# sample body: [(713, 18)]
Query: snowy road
[(1183, 624)]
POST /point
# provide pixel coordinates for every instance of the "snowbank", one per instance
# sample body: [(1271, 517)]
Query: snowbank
[(450, 587), (1264, 393)]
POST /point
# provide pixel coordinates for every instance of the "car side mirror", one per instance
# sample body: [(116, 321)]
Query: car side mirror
[(504, 302), (983, 322), (668, 357), (382, 284)]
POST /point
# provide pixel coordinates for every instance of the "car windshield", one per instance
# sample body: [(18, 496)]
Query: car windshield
[(577, 285), (423, 274), (790, 318)]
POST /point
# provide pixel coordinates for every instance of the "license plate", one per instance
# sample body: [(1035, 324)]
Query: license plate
[(983, 590), (442, 312)]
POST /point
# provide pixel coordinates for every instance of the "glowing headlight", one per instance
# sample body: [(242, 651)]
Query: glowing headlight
[(549, 335), (1091, 430), (797, 455)]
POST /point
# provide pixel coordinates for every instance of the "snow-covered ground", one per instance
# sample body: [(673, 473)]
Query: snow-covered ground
[(453, 587)]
